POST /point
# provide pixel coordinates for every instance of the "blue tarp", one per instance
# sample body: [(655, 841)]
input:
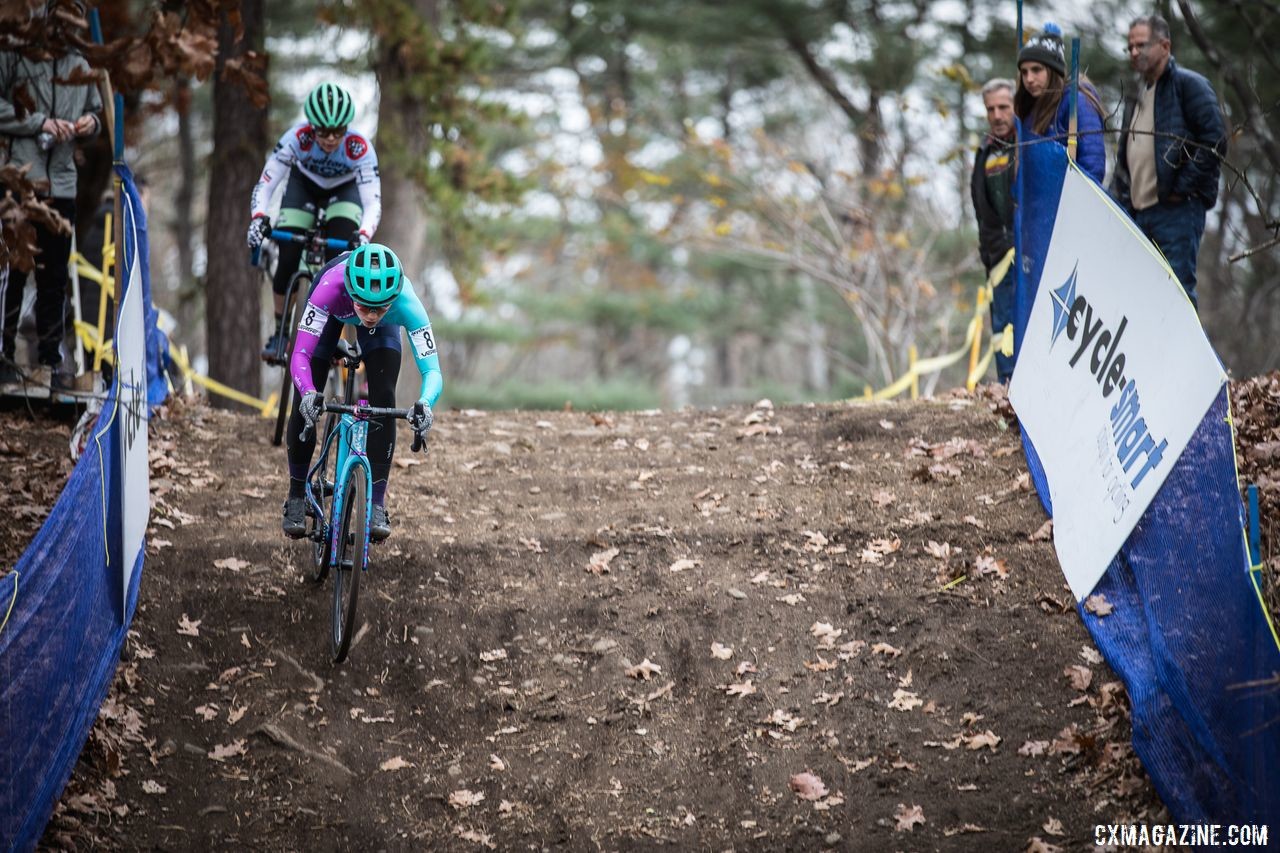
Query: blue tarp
[(1187, 634), (61, 643)]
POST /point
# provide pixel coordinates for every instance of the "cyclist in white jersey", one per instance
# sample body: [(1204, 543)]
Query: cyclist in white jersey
[(328, 167)]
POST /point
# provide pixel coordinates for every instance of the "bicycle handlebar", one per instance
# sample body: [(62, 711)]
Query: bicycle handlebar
[(281, 236), (419, 440)]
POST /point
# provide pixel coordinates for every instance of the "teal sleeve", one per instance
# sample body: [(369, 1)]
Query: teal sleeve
[(422, 342)]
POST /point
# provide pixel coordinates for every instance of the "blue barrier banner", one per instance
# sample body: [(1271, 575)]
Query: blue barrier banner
[(1186, 632), (77, 583)]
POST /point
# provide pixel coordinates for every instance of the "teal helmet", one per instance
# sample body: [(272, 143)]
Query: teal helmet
[(329, 105), (374, 276)]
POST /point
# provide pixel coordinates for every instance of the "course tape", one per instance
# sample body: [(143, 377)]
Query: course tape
[(1002, 340)]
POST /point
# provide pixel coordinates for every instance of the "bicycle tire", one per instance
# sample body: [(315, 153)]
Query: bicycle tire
[(289, 320), (353, 548), (322, 489)]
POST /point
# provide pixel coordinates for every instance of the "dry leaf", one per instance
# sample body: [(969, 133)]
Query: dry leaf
[(883, 498), (783, 720), (989, 565), (600, 561), (474, 835), (1035, 844), (745, 688), (643, 670), (495, 654), (152, 787), (885, 649), (396, 763), (1033, 748), (745, 667), (720, 652), (808, 786), (816, 541), (1053, 826), (975, 521), (234, 714), (496, 763), (207, 712), (792, 600), (761, 578), (685, 563), (233, 563), (187, 628), (1098, 605), (988, 739), (224, 751), (463, 798), (1081, 676), (905, 700), (1044, 533), (820, 665), (940, 550), (907, 818)]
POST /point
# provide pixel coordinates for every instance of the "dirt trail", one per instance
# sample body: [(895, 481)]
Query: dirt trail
[(853, 591)]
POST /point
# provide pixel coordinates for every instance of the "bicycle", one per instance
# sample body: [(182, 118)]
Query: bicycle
[(340, 499), (313, 258)]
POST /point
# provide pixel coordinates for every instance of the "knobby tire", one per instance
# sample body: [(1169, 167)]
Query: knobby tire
[(353, 539)]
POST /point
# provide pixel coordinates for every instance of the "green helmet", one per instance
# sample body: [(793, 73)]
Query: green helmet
[(329, 105), (374, 276)]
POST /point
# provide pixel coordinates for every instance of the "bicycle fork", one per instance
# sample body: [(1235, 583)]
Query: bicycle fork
[(351, 454)]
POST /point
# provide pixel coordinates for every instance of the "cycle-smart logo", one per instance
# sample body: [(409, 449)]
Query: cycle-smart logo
[(1128, 450)]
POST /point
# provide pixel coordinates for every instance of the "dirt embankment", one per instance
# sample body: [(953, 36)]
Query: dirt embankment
[(604, 632)]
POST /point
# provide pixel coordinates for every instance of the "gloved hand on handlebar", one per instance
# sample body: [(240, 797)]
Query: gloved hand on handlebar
[(310, 407), (259, 228), (421, 419)]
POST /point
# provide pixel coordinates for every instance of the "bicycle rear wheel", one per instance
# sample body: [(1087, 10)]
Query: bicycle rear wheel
[(289, 326), (353, 548)]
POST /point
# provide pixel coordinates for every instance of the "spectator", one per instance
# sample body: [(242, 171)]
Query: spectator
[(991, 188), (1172, 138), (40, 118), (1043, 104)]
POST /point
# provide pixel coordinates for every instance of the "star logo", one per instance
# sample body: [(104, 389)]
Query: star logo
[(1063, 298)]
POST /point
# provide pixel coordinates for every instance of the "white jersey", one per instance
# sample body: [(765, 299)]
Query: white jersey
[(354, 159)]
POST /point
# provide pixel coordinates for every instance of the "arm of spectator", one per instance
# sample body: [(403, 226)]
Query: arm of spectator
[(989, 229), (1091, 151), (1207, 136), (10, 125)]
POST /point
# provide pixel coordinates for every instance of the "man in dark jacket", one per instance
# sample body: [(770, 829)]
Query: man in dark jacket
[(43, 109), (1168, 163), (991, 188)]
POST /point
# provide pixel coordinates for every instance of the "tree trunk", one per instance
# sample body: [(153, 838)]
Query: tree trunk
[(182, 227), (403, 142), (233, 319)]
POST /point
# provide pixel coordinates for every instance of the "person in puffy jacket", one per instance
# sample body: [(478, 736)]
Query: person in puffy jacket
[(1171, 145), (1043, 101)]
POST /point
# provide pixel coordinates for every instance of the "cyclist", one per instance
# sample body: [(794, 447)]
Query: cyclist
[(328, 166), (365, 288)]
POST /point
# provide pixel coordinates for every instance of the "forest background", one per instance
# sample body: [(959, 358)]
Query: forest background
[(626, 205)]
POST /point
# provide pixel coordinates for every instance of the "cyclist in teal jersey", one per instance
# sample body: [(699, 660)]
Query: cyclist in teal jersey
[(324, 165), (367, 289)]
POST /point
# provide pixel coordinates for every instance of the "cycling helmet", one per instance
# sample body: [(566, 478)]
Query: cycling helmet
[(329, 105), (374, 276)]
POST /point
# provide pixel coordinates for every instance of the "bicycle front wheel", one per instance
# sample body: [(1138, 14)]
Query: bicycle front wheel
[(353, 550)]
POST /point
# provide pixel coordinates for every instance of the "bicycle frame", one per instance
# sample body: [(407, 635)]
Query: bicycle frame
[(351, 432)]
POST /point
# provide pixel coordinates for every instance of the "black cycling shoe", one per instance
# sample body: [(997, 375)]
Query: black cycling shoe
[(295, 518), (379, 524), (273, 350)]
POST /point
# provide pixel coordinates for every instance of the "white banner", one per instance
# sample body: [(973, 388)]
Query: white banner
[(132, 412), (1113, 377)]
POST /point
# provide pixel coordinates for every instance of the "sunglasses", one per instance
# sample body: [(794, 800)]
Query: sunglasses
[(331, 132)]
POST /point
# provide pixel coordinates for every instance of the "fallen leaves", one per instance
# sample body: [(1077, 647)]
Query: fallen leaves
[(231, 563), (1080, 676), (393, 764), (743, 688), (600, 560), (886, 650), (229, 750), (465, 799), (907, 818), (1098, 605), (807, 786), (644, 670), (685, 563), (493, 655), (905, 700), (720, 652), (1032, 748), (150, 786), (188, 628)]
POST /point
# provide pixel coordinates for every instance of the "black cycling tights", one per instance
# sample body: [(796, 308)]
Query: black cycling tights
[(382, 367), (339, 228)]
